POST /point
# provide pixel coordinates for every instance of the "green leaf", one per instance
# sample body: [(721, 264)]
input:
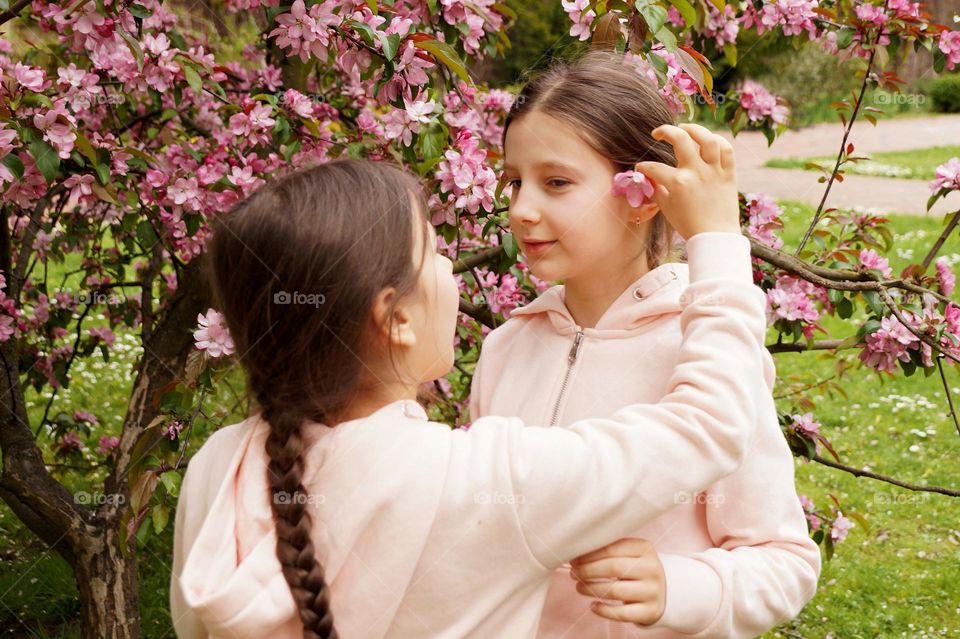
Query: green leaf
[(510, 246), (447, 55), (140, 11), (845, 308), (193, 78), (873, 300), (133, 45), (730, 53), (160, 517), (390, 44), (654, 15), (15, 165), (373, 6), (666, 36), (844, 37), (46, 158), (146, 234)]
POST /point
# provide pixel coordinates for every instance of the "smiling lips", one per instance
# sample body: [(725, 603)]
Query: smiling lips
[(537, 247)]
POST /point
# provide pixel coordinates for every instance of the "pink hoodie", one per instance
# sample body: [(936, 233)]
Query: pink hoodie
[(738, 558), (427, 531)]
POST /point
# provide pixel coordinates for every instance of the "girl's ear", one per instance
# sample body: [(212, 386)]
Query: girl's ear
[(396, 327), (645, 212)]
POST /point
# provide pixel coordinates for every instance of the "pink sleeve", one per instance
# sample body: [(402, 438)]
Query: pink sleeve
[(765, 566)]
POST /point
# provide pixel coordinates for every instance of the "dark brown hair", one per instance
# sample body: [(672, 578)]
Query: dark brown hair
[(341, 232), (615, 109)]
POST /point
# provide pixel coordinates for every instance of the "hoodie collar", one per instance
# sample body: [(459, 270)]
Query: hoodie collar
[(655, 293)]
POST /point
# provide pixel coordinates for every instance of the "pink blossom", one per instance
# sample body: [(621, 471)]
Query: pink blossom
[(760, 103), (793, 16), (841, 526), (637, 188), (103, 333), (763, 214), (463, 174), (723, 27), (172, 429), (946, 277), (806, 424), (950, 46), (870, 260), (28, 77), (70, 442), (882, 348), (790, 300), (947, 176), (184, 190), (213, 336), (871, 13), (809, 511), (7, 329), (108, 444), (306, 33), (503, 293), (84, 416), (581, 16)]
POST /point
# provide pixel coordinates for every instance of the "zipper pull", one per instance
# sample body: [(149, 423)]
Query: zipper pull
[(572, 357)]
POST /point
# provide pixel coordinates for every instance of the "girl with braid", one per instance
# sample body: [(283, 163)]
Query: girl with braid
[(337, 509)]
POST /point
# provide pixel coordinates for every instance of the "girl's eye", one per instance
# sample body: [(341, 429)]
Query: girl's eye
[(515, 183), (557, 182)]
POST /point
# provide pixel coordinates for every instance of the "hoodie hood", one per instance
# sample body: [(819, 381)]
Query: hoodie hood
[(654, 294), (249, 596), (232, 580)]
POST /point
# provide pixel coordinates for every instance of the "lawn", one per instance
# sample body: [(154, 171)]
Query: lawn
[(898, 578), (915, 164)]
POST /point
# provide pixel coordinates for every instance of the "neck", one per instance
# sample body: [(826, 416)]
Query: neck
[(589, 295), (370, 400)]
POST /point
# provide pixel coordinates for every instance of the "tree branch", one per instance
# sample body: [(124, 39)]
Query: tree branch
[(860, 472)]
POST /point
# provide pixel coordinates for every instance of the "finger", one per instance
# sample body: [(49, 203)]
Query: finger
[(727, 160), (628, 546), (658, 172), (642, 613), (683, 145), (613, 568), (709, 142), (628, 591)]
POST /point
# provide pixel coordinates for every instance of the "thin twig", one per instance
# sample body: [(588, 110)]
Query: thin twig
[(860, 472)]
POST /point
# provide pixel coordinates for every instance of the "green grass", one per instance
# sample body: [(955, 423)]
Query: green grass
[(915, 164), (899, 578)]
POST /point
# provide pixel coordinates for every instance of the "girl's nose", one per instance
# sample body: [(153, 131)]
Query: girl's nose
[(522, 211)]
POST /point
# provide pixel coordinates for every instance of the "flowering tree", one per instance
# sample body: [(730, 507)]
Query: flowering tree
[(125, 130)]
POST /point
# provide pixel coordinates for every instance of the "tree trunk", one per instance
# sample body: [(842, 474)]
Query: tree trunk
[(107, 583)]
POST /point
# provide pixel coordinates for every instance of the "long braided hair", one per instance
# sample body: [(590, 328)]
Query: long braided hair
[(615, 109), (295, 269)]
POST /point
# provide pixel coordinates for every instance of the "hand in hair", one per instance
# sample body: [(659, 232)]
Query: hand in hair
[(638, 581), (699, 195)]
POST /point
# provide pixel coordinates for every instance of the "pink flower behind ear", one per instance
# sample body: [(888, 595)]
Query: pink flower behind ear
[(213, 336), (634, 185)]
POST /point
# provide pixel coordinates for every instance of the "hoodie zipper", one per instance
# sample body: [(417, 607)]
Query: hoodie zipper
[(571, 359)]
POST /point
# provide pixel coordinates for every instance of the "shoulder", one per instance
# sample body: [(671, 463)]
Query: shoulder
[(215, 454)]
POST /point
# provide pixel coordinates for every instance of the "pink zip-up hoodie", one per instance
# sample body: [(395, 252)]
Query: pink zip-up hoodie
[(428, 531), (737, 556)]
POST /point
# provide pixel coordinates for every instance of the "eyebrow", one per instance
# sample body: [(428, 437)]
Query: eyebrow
[(546, 164)]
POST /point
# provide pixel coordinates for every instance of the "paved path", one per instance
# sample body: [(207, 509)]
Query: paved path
[(883, 195)]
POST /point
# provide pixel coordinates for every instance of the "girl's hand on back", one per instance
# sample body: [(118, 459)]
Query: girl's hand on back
[(638, 581), (699, 195)]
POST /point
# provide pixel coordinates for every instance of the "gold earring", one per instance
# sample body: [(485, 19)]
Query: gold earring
[(637, 221)]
